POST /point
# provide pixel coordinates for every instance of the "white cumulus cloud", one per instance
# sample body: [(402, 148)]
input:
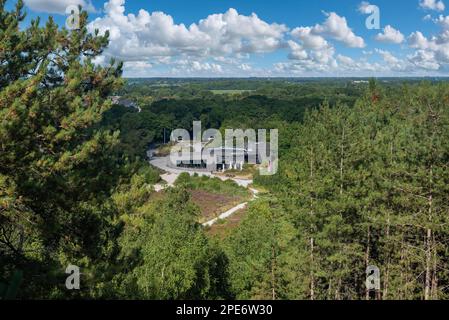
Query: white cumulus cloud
[(148, 35), (309, 39), (224, 44), (337, 28), (311, 51), (443, 21), (390, 35), (436, 5), (366, 7), (432, 53)]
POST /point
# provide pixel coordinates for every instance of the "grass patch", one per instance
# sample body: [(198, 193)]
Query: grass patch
[(213, 185), (164, 150)]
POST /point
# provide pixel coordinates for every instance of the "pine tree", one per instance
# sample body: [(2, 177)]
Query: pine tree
[(261, 254), (57, 168), (365, 186)]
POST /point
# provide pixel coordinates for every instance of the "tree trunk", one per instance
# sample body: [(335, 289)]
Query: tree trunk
[(401, 261), (312, 276), (428, 281), (312, 244), (337, 290), (367, 253), (387, 267), (342, 147), (434, 291), (428, 264), (273, 273)]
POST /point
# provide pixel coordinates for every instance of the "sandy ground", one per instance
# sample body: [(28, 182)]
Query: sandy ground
[(172, 174)]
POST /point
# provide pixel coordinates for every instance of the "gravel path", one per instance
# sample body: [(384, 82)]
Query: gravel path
[(172, 174), (230, 212)]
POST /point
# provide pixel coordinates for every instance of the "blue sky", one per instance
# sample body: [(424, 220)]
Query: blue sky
[(217, 38)]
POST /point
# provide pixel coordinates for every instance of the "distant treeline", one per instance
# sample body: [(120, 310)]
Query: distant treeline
[(270, 105)]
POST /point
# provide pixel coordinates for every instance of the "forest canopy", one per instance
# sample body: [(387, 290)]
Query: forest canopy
[(363, 181)]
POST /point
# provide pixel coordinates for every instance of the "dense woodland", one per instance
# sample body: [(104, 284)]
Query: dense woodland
[(363, 180)]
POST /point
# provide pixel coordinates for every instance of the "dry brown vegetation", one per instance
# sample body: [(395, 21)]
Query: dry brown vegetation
[(211, 204), (222, 228)]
